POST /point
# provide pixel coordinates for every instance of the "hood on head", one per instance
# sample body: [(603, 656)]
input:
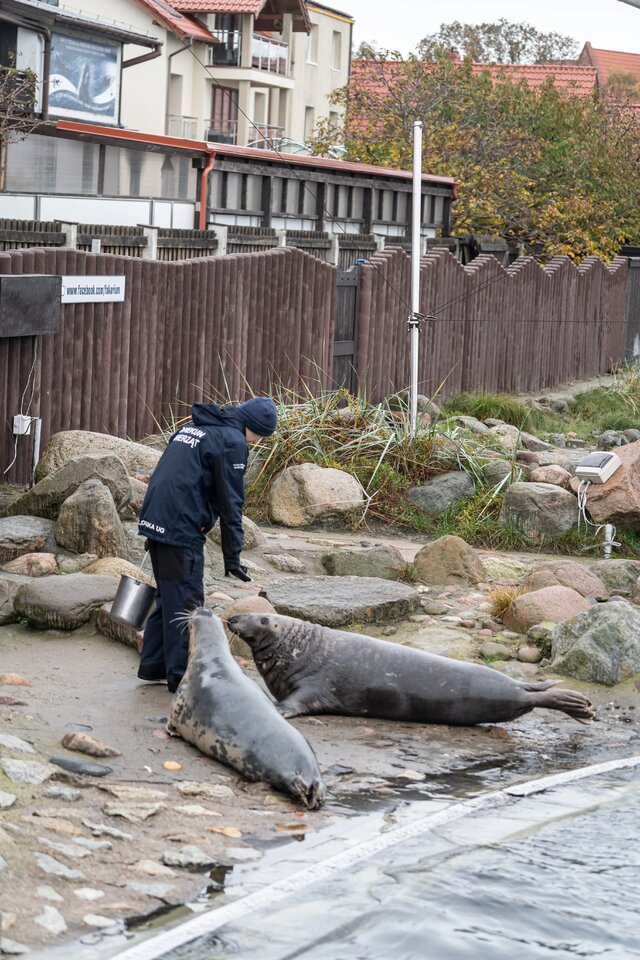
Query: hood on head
[(258, 414)]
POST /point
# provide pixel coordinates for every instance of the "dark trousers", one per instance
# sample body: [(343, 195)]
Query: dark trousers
[(179, 575)]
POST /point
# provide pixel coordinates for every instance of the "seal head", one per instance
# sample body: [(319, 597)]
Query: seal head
[(229, 717)]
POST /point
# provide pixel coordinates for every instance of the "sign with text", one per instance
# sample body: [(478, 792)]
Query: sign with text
[(88, 289)]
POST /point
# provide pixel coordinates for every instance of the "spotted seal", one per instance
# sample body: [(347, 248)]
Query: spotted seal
[(227, 716), (314, 669)]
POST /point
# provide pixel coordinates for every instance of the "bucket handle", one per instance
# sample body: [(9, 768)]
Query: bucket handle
[(144, 559)]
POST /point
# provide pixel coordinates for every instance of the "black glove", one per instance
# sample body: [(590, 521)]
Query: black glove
[(237, 570)]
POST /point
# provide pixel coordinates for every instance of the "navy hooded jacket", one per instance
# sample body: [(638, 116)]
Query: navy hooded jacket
[(200, 477)]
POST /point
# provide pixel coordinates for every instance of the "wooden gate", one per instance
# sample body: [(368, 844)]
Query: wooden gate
[(632, 313), (345, 345)]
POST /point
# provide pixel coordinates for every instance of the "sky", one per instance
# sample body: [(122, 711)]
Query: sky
[(401, 24)]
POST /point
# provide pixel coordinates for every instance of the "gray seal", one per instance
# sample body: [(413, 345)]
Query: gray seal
[(314, 669), (227, 716)]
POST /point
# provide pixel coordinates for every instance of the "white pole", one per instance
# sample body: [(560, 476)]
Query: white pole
[(415, 270)]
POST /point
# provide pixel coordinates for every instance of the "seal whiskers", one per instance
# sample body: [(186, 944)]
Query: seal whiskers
[(227, 716)]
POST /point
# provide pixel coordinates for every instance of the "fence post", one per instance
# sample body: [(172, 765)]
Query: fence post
[(631, 341), (381, 242), (282, 237), (222, 235), (70, 231), (334, 249), (150, 252)]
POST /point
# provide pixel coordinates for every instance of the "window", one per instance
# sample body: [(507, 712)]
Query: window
[(309, 122), (336, 51), (224, 115), (312, 44)]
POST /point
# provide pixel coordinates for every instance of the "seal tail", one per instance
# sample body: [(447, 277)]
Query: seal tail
[(571, 702)]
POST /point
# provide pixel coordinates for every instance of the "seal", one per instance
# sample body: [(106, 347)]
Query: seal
[(314, 669), (227, 716)]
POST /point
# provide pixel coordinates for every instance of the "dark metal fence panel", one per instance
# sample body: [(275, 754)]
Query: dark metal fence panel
[(520, 328)]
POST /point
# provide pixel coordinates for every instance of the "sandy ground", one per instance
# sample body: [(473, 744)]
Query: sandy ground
[(82, 678)]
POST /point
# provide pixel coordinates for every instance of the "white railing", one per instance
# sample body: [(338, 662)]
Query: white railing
[(267, 54), (178, 126)]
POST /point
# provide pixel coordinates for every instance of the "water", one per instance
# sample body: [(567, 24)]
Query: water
[(545, 878)]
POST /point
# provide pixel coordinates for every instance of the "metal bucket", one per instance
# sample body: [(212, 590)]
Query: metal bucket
[(133, 602)]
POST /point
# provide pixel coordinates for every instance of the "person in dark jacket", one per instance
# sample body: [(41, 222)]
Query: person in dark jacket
[(198, 480)]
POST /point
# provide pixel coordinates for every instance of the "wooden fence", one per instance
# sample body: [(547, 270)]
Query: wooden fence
[(187, 331), (227, 326), (516, 329)]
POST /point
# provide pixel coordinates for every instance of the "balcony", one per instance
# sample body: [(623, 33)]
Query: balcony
[(178, 126), (267, 54), (265, 136), (222, 131)]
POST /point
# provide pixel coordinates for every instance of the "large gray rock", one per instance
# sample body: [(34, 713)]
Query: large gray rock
[(47, 496), (438, 494), (449, 560), (500, 472), (563, 456), (63, 602), (308, 493), (470, 423), (380, 560), (22, 534), (619, 576), (9, 586), (601, 645), (253, 535), (567, 573), (116, 630), (549, 603), (88, 522), (542, 511), (336, 601), (69, 444)]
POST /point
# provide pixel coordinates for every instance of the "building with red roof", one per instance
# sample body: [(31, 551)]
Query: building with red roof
[(608, 63)]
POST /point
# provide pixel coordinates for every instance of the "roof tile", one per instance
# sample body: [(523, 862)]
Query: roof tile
[(169, 15), (607, 62)]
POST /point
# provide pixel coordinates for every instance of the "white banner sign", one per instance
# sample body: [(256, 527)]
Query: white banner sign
[(92, 289)]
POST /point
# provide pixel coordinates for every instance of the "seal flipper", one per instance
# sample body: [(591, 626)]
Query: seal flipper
[(571, 702)]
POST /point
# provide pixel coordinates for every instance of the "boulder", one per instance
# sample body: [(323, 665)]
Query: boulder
[(610, 439), (253, 535), (470, 423), (499, 472), (438, 494), (69, 444), (138, 493), (619, 576), (378, 560), (449, 560), (117, 630), (74, 563), (562, 457), (63, 602), (285, 562), (46, 497), (504, 435), (117, 567), (567, 573), (551, 474), (505, 570), (542, 511), (336, 601), (89, 523), (33, 564), (601, 645), (22, 534), (402, 401), (551, 603), (618, 500), (10, 583), (308, 493)]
